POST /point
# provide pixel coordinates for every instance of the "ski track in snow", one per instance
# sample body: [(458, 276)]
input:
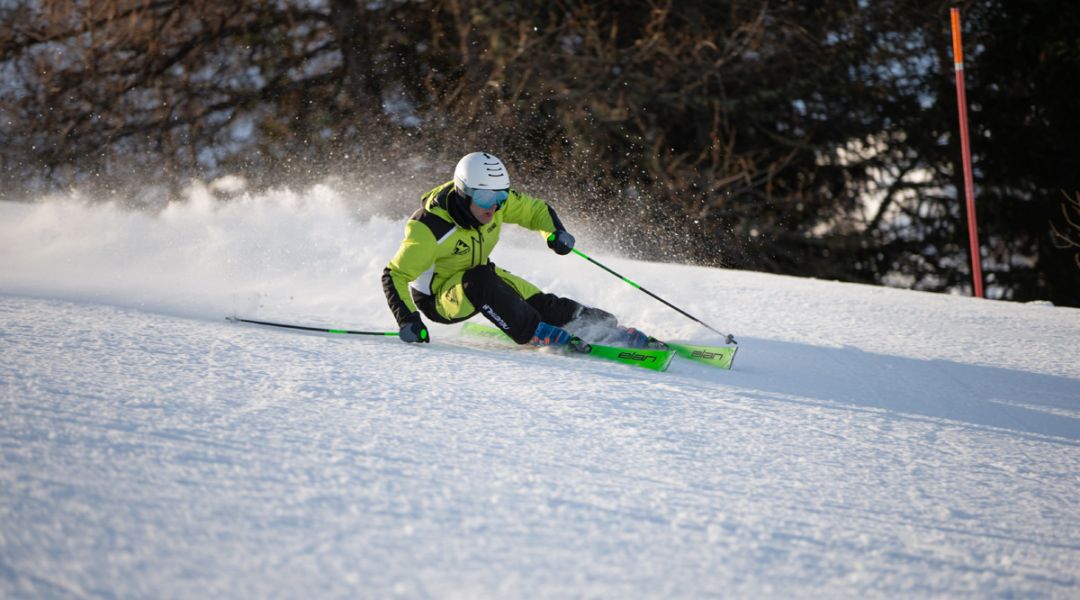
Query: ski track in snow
[(870, 441)]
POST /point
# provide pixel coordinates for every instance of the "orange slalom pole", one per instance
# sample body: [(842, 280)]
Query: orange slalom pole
[(965, 148)]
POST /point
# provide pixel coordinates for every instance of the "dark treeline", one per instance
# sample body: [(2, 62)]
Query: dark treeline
[(812, 138)]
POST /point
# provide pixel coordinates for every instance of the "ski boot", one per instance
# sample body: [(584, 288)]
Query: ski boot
[(550, 335), (633, 338)]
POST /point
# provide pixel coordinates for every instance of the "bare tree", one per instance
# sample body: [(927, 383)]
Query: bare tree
[(101, 87), (1068, 237), (794, 137)]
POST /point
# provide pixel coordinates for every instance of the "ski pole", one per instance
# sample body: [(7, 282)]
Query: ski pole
[(730, 339), (318, 329)]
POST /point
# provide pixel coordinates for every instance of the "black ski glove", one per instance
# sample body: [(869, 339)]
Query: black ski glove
[(561, 242), (414, 331)]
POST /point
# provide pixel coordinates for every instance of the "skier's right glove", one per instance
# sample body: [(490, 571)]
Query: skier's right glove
[(414, 331), (561, 242)]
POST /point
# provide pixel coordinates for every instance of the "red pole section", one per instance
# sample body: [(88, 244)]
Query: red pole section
[(965, 146)]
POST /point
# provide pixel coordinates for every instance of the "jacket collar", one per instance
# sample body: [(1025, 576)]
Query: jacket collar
[(457, 206)]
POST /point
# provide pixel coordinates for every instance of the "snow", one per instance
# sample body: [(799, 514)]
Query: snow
[(869, 442)]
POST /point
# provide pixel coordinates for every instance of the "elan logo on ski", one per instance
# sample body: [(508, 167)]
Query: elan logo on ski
[(634, 356)]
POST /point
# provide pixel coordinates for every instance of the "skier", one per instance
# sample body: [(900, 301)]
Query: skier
[(442, 269)]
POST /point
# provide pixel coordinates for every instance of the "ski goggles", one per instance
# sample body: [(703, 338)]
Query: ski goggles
[(488, 198)]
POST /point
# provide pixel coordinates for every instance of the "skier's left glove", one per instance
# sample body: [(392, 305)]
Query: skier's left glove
[(414, 331), (561, 242)]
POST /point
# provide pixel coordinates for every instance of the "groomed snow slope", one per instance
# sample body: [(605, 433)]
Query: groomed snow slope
[(869, 442)]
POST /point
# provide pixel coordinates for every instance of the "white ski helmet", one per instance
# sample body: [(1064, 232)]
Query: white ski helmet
[(480, 171)]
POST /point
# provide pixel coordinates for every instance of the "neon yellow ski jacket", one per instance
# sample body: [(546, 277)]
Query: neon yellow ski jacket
[(443, 240)]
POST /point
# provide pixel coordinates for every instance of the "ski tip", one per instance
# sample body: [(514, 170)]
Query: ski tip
[(715, 356)]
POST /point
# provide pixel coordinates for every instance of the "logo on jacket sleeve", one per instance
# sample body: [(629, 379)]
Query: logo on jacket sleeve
[(461, 247)]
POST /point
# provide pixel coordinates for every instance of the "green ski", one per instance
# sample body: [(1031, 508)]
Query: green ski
[(657, 360), (716, 356)]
